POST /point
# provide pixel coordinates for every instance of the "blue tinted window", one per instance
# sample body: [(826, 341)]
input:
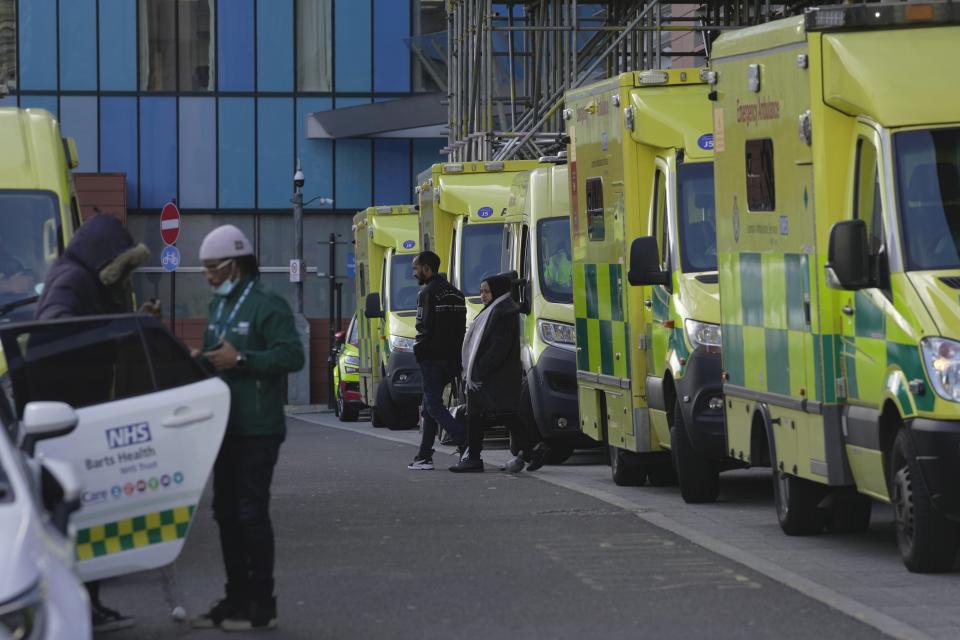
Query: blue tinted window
[(78, 44), (78, 119), (37, 27), (353, 174), (391, 57), (237, 149), (118, 45), (352, 56), (118, 141), (316, 156), (198, 153), (275, 45), (426, 152), (275, 152), (391, 184), (158, 151), (40, 102), (235, 45)]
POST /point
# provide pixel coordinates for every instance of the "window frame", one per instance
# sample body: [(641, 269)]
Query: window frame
[(765, 145), (591, 193)]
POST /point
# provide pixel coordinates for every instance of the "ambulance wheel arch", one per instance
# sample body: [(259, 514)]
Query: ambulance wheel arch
[(151, 421)]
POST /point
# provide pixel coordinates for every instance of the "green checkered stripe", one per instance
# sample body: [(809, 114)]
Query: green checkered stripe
[(768, 344), (665, 340), (134, 533), (874, 342), (600, 320)]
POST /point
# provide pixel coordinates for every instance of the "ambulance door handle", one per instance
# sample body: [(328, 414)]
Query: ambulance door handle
[(847, 310), (183, 417), (648, 304)]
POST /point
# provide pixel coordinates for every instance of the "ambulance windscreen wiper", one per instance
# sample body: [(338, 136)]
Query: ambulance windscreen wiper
[(16, 304)]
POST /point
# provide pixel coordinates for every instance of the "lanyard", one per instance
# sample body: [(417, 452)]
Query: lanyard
[(221, 329)]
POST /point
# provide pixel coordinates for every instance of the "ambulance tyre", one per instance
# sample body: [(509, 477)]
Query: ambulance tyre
[(385, 412), (625, 471), (798, 504), (698, 476), (927, 540), (345, 412)]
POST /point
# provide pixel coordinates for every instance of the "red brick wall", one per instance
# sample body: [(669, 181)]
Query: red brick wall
[(191, 331), (106, 191)]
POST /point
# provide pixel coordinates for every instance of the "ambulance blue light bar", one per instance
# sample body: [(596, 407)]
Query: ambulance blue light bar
[(883, 14)]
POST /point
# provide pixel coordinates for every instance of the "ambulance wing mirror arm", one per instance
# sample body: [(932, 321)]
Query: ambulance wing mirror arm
[(645, 263), (373, 309), (62, 490), (45, 420), (848, 257)]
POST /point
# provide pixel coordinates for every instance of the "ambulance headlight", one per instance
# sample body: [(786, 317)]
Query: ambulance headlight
[(942, 358), (351, 364), (703, 335), (399, 343), (558, 334)]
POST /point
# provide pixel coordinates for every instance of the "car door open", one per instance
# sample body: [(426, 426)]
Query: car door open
[(151, 421)]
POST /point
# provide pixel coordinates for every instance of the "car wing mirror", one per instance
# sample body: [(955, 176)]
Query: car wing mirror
[(46, 420), (645, 263), (848, 256), (340, 337), (372, 307)]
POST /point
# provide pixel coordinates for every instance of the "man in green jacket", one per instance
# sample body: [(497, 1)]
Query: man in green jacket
[(251, 340)]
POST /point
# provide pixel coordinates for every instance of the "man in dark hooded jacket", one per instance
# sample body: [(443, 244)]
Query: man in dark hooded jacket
[(492, 369), (92, 277)]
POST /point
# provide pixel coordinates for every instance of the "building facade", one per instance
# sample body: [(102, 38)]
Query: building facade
[(206, 102)]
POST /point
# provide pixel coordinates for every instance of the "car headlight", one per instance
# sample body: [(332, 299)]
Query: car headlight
[(399, 343), (22, 618), (351, 360), (942, 358), (703, 335), (558, 334)]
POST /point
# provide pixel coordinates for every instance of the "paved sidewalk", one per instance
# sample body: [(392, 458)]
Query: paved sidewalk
[(860, 574)]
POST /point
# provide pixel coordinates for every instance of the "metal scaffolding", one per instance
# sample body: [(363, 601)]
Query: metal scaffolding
[(510, 62)]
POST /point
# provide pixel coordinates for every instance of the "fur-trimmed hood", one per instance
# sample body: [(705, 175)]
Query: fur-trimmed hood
[(106, 249)]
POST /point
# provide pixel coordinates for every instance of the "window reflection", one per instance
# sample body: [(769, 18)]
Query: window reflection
[(314, 45), (8, 43), (177, 45)]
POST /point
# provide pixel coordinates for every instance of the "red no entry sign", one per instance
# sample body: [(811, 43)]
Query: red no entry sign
[(170, 223)]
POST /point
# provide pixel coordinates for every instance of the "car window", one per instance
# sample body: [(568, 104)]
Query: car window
[(90, 361)]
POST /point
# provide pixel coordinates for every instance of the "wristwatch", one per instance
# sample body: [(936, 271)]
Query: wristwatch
[(241, 360)]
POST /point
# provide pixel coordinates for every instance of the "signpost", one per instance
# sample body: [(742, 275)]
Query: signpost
[(170, 256)]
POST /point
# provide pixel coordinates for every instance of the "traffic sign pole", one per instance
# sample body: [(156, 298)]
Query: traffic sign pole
[(169, 232)]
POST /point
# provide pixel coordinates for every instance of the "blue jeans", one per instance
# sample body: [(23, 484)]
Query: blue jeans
[(436, 374)]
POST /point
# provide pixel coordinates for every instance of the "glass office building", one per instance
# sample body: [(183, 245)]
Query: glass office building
[(208, 101)]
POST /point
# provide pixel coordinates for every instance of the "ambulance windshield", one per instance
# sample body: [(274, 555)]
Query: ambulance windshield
[(928, 195), (697, 217), (403, 284), (479, 255), (29, 241), (553, 253)]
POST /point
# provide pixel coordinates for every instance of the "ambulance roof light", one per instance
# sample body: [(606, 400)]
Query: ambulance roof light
[(453, 167), (384, 209), (883, 14), (654, 77)]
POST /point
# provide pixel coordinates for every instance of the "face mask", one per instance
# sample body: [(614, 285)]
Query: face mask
[(225, 288)]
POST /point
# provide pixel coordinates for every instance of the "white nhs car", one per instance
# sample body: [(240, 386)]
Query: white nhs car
[(40, 594), (149, 423)]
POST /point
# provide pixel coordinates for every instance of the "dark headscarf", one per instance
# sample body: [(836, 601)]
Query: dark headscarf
[(499, 285)]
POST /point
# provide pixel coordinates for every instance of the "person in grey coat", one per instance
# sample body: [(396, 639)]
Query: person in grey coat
[(492, 374)]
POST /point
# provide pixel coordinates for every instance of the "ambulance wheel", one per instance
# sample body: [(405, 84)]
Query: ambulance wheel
[(384, 413), (851, 515), (345, 412), (927, 540), (798, 504), (625, 471), (698, 476), (662, 474)]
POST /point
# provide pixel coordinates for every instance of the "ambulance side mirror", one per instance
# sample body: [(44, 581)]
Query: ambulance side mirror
[(645, 263), (848, 256), (45, 420), (340, 337), (372, 309), (62, 490)]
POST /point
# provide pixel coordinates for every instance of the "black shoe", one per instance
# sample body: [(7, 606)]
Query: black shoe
[(105, 619), (217, 614), (538, 457), (256, 616), (468, 465)]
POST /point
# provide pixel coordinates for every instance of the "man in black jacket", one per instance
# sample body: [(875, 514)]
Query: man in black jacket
[(441, 323)]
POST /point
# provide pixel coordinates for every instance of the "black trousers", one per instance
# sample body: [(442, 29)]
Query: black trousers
[(525, 436), (241, 506)]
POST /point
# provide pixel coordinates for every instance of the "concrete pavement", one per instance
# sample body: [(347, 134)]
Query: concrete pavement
[(368, 549)]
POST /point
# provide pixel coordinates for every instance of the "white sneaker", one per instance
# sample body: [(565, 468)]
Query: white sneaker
[(421, 464)]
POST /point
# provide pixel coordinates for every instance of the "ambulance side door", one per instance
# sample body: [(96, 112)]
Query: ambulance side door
[(151, 420)]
